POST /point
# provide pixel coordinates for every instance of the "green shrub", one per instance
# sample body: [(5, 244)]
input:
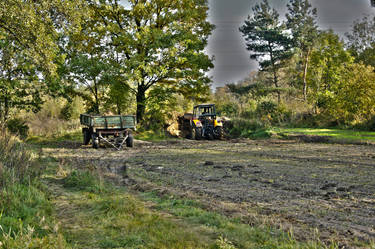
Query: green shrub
[(367, 125), (19, 127), (273, 114), (245, 127), (84, 180)]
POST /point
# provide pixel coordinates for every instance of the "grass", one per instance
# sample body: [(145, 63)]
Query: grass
[(232, 231), (79, 209), (349, 135), (75, 136), (154, 136), (112, 218), (26, 212)]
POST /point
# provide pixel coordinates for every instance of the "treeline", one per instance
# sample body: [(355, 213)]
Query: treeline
[(307, 76), (147, 58), (136, 58)]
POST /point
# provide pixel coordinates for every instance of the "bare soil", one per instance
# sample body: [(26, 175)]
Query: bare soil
[(321, 191)]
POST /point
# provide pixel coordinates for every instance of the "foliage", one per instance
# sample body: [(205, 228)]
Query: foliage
[(28, 50), (361, 40), (328, 63), (266, 37), (56, 117), (18, 126), (72, 110), (354, 101), (160, 43), (301, 21)]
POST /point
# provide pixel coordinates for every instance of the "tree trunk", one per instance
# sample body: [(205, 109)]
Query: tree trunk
[(96, 105), (305, 75), (141, 104), (275, 79), (118, 107)]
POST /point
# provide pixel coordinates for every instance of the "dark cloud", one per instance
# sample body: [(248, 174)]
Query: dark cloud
[(232, 60)]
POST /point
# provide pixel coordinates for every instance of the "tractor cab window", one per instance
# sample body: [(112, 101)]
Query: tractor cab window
[(203, 111)]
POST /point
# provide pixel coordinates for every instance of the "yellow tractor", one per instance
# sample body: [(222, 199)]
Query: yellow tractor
[(204, 123)]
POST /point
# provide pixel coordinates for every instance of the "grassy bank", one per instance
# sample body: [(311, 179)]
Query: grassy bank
[(335, 134)]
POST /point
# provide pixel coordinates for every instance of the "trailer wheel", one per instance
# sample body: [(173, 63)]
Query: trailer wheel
[(95, 141), (130, 141), (86, 136)]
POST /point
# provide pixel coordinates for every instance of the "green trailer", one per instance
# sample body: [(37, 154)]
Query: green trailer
[(115, 130)]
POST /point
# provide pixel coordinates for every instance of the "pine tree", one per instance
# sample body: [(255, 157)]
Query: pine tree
[(266, 38)]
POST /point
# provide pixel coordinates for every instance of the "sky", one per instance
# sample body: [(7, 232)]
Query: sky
[(232, 60)]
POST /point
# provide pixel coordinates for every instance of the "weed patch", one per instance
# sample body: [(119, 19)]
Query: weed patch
[(85, 181)]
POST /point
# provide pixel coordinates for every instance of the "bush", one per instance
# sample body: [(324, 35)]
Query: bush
[(19, 127), (272, 114), (245, 127)]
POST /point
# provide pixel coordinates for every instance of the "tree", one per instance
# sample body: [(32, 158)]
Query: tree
[(329, 61), (355, 101), (19, 84), (301, 20), (361, 41), (28, 50), (160, 44), (266, 37)]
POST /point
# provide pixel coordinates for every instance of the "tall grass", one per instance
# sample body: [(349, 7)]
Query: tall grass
[(25, 210)]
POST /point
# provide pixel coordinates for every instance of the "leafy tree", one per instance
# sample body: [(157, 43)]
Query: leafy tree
[(266, 37), (328, 64), (160, 45), (355, 101), (361, 41), (19, 84), (301, 20), (28, 32)]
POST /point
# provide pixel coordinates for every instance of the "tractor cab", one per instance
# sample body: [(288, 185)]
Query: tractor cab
[(203, 111)]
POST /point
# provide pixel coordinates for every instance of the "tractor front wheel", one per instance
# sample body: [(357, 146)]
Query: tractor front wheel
[(209, 134), (219, 133), (198, 133)]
